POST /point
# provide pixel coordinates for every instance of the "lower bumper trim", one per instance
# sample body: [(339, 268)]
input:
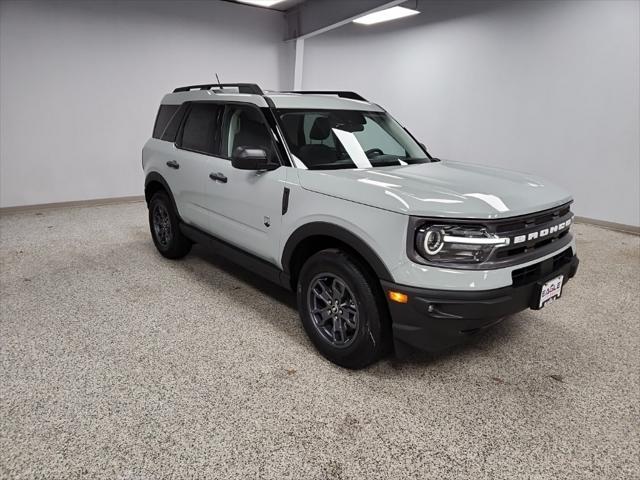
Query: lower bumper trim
[(434, 320)]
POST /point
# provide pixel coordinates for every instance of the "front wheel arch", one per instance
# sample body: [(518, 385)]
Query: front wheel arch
[(316, 236)]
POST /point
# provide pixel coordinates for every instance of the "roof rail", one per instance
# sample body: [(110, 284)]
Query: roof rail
[(351, 95), (251, 88)]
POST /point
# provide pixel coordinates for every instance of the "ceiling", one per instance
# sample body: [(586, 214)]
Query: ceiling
[(288, 4), (281, 6)]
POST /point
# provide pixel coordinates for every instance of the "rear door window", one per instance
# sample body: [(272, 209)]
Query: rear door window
[(201, 131)]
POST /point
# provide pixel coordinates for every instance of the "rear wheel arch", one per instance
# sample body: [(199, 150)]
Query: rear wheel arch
[(316, 236), (155, 183)]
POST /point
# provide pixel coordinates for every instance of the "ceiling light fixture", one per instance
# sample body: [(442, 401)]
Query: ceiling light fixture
[(392, 13), (261, 3)]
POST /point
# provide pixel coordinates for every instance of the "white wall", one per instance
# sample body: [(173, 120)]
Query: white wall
[(550, 87), (80, 84)]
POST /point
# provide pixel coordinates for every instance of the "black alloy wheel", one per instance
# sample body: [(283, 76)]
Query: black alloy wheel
[(165, 227), (333, 309)]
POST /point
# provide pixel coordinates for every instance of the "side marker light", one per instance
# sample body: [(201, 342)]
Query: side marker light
[(398, 297)]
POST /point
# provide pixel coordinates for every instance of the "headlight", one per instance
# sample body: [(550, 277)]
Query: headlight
[(433, 241), (451, 244)]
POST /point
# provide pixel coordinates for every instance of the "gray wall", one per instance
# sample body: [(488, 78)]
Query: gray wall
[(80, 84), (544, 87)]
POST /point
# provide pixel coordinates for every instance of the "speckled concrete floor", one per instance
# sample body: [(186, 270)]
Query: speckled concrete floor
[(117, 363)]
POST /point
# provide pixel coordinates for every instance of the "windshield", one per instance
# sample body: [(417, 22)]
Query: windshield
[(333, 139)]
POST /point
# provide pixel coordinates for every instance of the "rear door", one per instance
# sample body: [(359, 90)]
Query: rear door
[(246, 206), (197, 142)]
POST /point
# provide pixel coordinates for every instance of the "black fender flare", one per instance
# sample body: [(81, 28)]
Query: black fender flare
[(156, 177), (341, 234)]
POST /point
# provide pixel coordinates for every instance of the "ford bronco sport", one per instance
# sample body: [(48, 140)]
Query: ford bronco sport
[(327, 195)]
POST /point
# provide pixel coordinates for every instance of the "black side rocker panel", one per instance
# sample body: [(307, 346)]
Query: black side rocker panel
[(237, 255), (270, 271)]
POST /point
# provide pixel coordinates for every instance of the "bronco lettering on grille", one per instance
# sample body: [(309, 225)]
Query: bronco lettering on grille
[(542, 233)]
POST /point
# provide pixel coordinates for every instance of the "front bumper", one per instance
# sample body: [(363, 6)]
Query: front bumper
[(434, 320)]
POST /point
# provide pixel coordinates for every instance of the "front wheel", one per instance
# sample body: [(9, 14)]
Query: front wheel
[(341, 309), (165, 228)]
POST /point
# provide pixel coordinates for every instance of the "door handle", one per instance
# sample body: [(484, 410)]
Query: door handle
[(173, 164), (218, 177)]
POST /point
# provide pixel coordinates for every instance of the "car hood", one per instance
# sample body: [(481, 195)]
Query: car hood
[(439, 189)]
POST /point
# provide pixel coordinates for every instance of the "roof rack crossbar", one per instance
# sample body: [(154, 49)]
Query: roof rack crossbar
[(250, 88), (342, 94)]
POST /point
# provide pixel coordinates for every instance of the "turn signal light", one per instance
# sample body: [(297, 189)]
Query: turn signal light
[(398, 297)]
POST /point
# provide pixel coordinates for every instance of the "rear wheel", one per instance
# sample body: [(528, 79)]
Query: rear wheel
[(341, 309), (165, 228)]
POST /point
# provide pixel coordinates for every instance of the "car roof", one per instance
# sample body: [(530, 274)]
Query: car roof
[(284, 100), (320, 101), (177, 98)]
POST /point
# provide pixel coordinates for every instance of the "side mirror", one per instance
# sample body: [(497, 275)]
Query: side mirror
[(245, 158)]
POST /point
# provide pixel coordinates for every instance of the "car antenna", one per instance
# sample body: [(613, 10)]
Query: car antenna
[(218, 79)]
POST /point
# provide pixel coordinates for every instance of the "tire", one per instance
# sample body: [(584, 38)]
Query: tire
[(364, 338), (165, 228)]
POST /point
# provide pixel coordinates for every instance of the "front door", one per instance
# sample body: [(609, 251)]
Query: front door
[(245, 206)]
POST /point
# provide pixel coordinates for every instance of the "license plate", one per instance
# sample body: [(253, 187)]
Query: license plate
[(551, 290)]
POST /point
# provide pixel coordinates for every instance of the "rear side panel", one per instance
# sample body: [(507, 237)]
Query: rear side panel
[(177, 167), (184, 182)]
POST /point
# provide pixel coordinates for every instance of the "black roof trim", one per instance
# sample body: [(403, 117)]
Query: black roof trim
[(254, 89), (251, 88), (342, 94)]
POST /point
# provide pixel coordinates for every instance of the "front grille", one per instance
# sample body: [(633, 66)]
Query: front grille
[(533, 273), (509, 252), (532, 226), (529, 221)]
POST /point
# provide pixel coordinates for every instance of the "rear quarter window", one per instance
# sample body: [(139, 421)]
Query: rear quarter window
[(171, 131), (165, 113)]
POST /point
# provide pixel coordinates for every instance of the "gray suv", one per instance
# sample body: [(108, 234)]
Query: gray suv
[(326, 194)]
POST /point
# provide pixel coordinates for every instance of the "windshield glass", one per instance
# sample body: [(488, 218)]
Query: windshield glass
[(333, 139)]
